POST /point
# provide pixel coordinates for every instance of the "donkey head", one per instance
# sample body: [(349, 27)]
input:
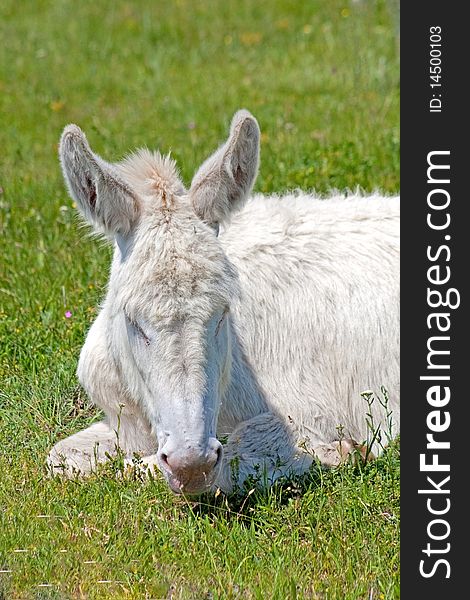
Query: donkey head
[(171, 285)]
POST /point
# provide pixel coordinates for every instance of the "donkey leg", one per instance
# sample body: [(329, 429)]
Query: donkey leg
[(80, 453), (125, 425), (264, 448)]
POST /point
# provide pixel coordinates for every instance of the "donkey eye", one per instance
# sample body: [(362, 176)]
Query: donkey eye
[(138, 330), (221, 321)]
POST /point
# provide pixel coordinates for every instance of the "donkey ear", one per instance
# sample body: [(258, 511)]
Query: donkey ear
[(105, 201), (225, 179)]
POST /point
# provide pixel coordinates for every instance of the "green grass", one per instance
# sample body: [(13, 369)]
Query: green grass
[(322, 77)]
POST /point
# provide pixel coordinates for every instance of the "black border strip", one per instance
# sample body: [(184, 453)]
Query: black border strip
[(425, 245)]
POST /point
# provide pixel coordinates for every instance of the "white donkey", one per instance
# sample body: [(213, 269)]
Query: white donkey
[(262, 334)]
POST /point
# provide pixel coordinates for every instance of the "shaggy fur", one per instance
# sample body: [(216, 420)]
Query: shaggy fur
[(266, 334)]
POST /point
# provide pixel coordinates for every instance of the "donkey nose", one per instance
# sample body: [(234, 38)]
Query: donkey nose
[(191, 463)]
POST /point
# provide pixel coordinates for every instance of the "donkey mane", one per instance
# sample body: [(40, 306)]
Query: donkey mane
[(152, 175)]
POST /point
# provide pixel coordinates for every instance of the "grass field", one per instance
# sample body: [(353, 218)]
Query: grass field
[(322, 77)]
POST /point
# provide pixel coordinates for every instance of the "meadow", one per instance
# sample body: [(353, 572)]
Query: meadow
[(322, 78)]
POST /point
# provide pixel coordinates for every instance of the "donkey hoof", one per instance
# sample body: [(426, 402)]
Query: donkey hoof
[(350, 450), (68, 462), (341, 451)]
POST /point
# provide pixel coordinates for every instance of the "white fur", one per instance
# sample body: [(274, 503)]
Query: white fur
[(312, 288)]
